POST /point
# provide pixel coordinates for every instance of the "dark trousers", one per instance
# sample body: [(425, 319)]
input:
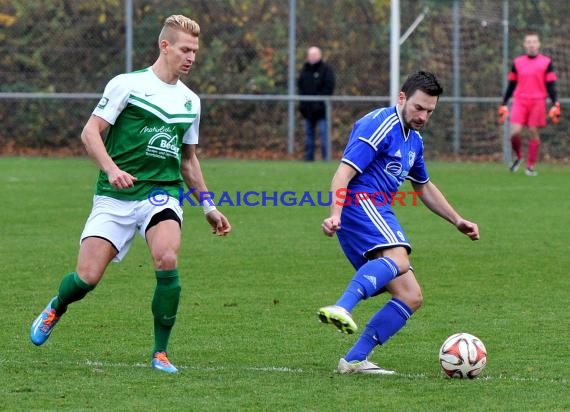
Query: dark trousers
[(311, 127)]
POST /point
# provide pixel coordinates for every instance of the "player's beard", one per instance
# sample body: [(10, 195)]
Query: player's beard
[(409, 122)]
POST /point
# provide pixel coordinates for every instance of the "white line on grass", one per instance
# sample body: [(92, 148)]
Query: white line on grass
[(198, 368), (280, 369)]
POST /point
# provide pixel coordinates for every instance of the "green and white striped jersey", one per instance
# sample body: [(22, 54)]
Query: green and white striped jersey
[(150, 120)]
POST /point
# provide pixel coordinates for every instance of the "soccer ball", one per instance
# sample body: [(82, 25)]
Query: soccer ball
[(463, 355)]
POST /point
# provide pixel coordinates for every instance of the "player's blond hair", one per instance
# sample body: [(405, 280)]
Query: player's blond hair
[(176, 23)]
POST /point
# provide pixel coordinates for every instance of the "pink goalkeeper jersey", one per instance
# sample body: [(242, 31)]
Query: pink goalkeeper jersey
[(531, 75)]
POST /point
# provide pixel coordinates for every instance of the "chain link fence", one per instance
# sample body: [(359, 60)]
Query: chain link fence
[(57, 55)]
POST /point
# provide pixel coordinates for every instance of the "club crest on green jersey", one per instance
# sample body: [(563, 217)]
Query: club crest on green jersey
[(102, 103), (188, 105)]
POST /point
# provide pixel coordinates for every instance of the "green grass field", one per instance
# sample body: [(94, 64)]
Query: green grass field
[(247, 337)]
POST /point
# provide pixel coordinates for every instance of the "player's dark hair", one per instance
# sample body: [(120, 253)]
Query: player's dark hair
[(424, 81)]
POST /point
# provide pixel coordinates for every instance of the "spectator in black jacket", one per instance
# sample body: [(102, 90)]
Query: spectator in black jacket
[(316, 78)]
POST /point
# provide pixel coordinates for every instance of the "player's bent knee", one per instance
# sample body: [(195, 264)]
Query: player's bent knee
[(166, 261), (89, 275), (414, 299), (409, 292)]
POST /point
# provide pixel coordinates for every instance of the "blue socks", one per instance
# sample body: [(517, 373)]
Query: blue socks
[(369, 279), (381, 327)]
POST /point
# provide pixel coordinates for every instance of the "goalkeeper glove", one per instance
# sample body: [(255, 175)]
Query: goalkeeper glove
[(554, 113), (503, 114)]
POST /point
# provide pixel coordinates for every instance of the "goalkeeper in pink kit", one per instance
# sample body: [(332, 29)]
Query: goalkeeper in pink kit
[(531, 80)]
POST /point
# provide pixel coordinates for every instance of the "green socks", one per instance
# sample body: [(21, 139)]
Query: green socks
[(164, 302), (71, 289), (165, 306)]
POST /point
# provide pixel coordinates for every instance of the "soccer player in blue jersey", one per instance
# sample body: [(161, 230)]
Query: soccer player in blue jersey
[(383, 150)]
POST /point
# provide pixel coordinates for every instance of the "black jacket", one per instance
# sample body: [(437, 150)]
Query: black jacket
[(315, 79)]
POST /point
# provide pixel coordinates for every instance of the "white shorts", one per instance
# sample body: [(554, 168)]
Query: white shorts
[(118, 220)]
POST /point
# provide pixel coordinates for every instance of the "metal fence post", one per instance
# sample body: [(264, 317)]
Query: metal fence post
[(394, 51), (456, 77), (507, 155), (291, 75), (128, 36)]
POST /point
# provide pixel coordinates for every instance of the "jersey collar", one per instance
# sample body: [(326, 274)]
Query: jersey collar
[(406, 135)]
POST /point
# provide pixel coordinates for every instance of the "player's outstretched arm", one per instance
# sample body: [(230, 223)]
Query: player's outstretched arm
[(192, 174), (438, 204)]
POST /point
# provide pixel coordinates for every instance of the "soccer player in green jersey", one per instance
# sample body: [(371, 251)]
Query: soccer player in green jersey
[(151, 121)]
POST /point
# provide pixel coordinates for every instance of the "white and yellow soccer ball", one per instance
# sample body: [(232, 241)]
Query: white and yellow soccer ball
[(463, 355)]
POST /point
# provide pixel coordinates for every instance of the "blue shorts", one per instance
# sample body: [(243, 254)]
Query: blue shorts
[(367, 227)]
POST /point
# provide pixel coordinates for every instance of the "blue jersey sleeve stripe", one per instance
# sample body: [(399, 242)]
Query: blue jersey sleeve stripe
[(351, 164), (368, 142), (417, 181), (377, 112), (384, 129), (387, 122)]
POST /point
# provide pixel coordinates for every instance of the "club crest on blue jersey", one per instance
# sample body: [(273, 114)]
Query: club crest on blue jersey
[(411, 158)]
